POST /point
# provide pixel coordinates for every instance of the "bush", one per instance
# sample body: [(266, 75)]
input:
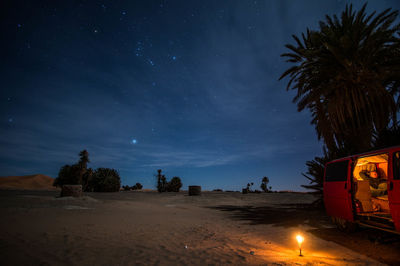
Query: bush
[(126, 188), (163, 185), (174, 185), (137, 186), (105, 180), (68, 175)]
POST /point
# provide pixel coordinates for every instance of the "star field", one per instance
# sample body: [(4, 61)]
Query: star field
[(190, 87)]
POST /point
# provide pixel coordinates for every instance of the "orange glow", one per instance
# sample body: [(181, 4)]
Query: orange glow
[(300, 239)]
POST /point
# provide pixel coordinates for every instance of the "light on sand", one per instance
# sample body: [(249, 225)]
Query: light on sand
[(300, 240)]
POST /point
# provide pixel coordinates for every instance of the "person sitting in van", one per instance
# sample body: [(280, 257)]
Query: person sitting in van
[(378, 185)]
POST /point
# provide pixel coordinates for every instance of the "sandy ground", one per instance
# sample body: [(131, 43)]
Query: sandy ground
[(27, 182), (147, 228)]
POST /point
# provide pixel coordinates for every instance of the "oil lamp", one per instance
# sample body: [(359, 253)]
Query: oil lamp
[(300, 240)]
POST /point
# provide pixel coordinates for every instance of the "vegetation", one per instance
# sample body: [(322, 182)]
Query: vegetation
[(102, 179), (137, 186), (264, 184), (174, 185), (76, 174), (247, 189), (347, 74), (164, 186), (161, 181), (105, 180), (388, 137)]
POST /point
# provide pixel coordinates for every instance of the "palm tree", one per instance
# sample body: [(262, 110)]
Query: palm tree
[(389, 136), (347, 74), (264, 184), (315, 173)]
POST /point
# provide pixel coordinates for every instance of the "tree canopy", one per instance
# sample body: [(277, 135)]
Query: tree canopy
[(347, 74)]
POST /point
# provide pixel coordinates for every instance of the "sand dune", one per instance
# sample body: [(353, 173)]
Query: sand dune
[(38, 181)]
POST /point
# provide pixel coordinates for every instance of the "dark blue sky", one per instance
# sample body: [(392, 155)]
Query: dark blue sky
[(190, 87)]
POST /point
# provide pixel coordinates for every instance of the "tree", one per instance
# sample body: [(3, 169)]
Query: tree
[(347, 74), (389, 136), (76, 174), (105, 180), (315, 173), (174, 185), (87, 179), (68, 175), (264, 184), (249, 185), (82, 164), (161, 182)]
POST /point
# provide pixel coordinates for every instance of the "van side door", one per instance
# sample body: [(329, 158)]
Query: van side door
[(394, 188), (337, 189)]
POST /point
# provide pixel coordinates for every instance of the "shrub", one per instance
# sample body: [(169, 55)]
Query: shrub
[(137, 186), (68, 175), (105, 180), (174, 185), (126, 188)]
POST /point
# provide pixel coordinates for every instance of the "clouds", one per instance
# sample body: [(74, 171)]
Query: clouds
[(217, 113)]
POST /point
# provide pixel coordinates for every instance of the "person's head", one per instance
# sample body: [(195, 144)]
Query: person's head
[(373, 174)]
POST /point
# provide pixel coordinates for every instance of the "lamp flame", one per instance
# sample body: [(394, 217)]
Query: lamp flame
[(300, 240)]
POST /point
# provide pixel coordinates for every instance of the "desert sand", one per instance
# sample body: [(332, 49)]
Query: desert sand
[(148, 228), (28, 182)]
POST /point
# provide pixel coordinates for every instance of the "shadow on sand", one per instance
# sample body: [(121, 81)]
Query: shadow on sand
[(286, 215), (379, 245)]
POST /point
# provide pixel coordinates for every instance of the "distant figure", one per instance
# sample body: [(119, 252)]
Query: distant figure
[(377, 185)]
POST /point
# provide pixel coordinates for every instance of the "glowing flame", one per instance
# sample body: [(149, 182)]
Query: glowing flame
[(300, 239)]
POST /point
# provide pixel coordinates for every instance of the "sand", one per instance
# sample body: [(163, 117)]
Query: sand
[(28, 182), (148, 228)]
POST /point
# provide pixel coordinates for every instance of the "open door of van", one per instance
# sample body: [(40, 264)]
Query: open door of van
[(394, 188), (337, 189)]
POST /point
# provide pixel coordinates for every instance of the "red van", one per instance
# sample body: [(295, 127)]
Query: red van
[(364, 189)]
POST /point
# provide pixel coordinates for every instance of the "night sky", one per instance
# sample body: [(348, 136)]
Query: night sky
[(190, 87)]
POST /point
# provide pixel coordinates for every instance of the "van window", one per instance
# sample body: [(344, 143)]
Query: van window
[(336, 171), (396, 165)]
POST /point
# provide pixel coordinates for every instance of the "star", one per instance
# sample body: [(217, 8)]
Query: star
[(173, 57), (151, 62), (134, 141), (10, 120), (19, 25)]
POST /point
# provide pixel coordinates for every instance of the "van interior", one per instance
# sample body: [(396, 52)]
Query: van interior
[(370, 197)]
